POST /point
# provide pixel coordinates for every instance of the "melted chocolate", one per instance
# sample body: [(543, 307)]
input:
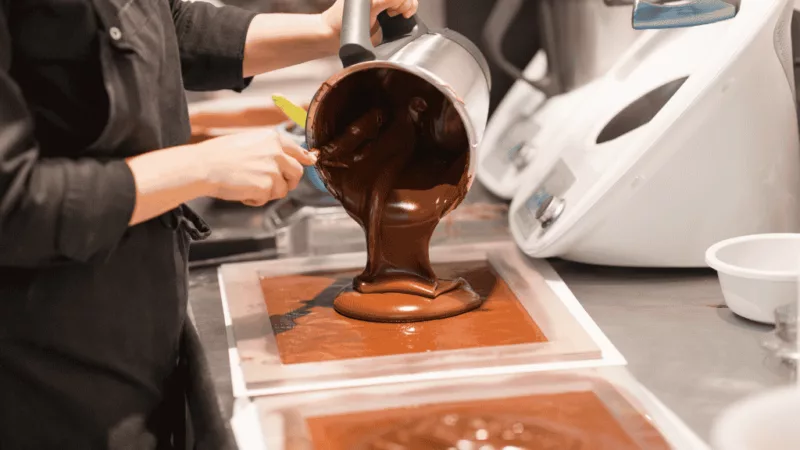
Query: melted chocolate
[(396, 155), (307, 329), (475, 431), (577, 420)]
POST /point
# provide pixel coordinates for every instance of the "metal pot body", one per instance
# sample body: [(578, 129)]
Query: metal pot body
[(581, 38), (444, 59), (586, 39)]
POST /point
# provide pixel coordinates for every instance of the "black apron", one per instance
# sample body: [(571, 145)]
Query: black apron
[(100, 354)]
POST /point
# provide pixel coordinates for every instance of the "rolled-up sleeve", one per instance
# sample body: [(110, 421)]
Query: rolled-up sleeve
[(53, 210), (211, 41)]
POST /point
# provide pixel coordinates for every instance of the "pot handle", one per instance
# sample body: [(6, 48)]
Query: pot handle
[(494, 32), (356, 46)]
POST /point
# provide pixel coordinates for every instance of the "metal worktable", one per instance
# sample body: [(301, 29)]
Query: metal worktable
[(679, 339)]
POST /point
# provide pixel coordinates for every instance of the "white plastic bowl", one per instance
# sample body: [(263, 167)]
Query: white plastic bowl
[(767, 421), (758, 273)]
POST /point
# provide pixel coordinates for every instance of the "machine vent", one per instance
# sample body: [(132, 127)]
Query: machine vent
[(640, 112)]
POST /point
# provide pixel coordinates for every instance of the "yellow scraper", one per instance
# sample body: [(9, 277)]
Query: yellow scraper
[(295, 113)]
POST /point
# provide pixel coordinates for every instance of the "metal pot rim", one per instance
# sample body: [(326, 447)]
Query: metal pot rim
[(426, 75)]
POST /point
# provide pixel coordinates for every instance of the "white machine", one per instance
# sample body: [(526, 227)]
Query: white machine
[(691, 139), (527, 126), (581, 41)]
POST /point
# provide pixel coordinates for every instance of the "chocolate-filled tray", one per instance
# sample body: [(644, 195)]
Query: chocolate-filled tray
[(580, 409), (286, 337)]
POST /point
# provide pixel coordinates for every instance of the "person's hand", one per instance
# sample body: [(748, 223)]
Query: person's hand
[(332, 17), (253, 167)]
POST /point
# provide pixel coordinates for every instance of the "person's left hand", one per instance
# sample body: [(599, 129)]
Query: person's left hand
[(332, 17)]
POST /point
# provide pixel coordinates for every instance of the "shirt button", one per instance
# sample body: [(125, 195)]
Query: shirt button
[(115, 33)]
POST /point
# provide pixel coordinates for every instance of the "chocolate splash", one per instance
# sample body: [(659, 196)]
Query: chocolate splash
[(396, 155)]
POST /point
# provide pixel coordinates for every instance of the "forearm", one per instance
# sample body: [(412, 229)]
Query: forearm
[(275, 41), (165, 179)]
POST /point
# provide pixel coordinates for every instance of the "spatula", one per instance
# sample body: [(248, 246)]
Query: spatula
[(295, 113)]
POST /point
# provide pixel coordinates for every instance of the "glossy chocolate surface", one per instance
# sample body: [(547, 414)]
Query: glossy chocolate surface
[(307, 329), (395, 153), (571, 420)]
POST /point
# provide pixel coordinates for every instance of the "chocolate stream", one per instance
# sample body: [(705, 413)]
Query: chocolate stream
[(398, 165)]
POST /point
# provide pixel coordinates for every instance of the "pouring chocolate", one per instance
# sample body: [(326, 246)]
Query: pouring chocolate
[(396, 133)]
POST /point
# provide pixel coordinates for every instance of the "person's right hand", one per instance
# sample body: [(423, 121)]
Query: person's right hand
[(253, 167)]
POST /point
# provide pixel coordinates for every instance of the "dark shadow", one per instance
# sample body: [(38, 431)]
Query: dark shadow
[(282, 323), (640, 112), (728, 316), (629, 273)]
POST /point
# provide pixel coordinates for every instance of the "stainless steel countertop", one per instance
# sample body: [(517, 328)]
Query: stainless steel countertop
[(679, 339)]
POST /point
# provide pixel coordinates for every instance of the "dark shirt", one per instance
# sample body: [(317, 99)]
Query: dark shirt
[(91, 310)]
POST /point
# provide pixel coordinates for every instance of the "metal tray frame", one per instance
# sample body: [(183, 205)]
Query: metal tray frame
[(574, 340), (265, 423)]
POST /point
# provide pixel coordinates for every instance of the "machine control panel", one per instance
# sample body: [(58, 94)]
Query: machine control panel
[(546, 204), (513, 150), (521, 155), (550, 210)]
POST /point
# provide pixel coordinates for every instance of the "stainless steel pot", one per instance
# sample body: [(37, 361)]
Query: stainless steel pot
[(581, 38), (445, 59)]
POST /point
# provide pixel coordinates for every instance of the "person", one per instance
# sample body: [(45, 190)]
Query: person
[(96, 350)]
